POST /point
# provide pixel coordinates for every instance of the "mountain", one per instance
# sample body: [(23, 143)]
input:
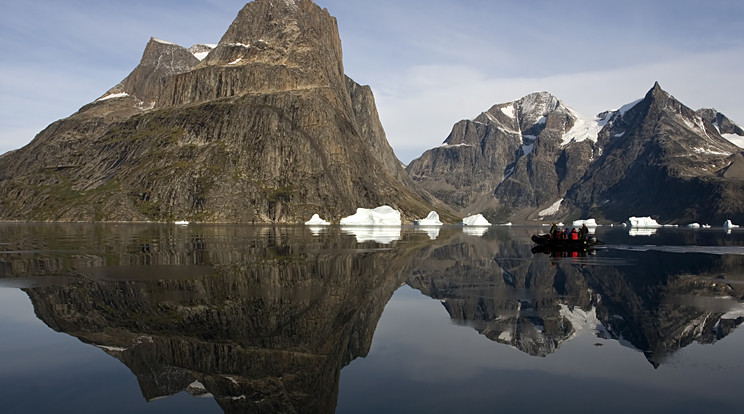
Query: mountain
[(262, 127), (514, 157), (536, 158), (662, 159)]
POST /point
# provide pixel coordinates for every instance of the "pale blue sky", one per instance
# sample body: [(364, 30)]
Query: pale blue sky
[(429, 63)]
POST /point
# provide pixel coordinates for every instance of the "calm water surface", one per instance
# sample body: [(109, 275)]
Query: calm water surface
[(243, 319)]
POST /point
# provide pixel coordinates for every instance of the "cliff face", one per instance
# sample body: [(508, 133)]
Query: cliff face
[(510, 158), (266, 128), (663, 159)]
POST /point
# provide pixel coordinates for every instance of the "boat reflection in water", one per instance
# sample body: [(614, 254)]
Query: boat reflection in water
[(264, 318)]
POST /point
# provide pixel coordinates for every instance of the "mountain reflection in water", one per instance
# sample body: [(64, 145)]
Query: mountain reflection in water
[(264, 318)]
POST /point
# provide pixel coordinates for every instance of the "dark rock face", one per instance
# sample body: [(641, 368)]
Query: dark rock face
[(661, 159), (655, 157), (266, 128)]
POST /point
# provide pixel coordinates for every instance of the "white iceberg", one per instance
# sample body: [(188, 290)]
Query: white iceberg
[(589, 223), (181, 223), (431, 220), (383, 235), (380, 216), (316, 221), (476, 220), (643, 222), (729, 225), (693, 225)]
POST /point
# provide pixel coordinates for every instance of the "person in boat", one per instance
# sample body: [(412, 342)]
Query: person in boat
[(566, 234), (574, 235), (583, 232), (554, 231)]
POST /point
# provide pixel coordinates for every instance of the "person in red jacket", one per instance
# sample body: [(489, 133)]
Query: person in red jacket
[(574, 234)]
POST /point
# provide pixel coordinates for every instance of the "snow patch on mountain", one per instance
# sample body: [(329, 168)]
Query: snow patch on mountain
[(509, 111), (112, 96), (737, 140), (627, 107), (584, 128), (551, 210)]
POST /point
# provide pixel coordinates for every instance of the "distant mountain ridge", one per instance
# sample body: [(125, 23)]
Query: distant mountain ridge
[(536, 158), (262, 127)]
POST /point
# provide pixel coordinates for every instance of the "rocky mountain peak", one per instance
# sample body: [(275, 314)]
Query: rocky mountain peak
[(160, 60), (282, 32), (271, 46)]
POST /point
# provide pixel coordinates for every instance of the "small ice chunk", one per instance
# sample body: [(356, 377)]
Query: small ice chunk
[(431, 220), (380, 216), (589, 223), (729, 225), (645, 222), (316, 221), (694, 225), (476, 220)]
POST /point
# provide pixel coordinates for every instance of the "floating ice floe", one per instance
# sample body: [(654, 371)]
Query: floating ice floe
[(315, 220), (380, 216), (476, 220), (589, 223), (644, 222), (729, 225), (431, 220), (693, 225), (182, 223)]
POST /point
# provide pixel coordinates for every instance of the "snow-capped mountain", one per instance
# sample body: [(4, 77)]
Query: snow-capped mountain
[(516, 155), (536, 158)]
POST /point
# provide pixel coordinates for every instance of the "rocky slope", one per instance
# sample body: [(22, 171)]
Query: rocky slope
[(662, 159), (535, 158), (265, 128)]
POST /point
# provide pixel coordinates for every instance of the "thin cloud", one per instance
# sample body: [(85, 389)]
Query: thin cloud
[(429, 63)]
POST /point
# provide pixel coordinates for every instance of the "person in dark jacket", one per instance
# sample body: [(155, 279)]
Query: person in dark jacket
[(583, 232), (554, 231)]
